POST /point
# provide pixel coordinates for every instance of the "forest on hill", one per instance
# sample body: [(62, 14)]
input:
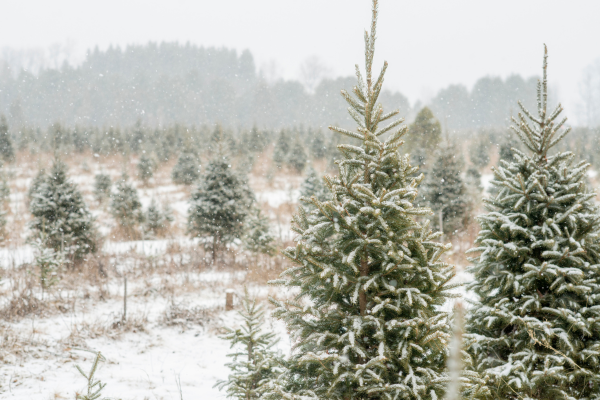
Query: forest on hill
[(167, 83)]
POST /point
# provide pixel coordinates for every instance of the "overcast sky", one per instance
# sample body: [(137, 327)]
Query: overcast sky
[(428, 43)]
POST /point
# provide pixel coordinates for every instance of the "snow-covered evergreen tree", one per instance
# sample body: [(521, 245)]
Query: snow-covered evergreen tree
[(145, 168), (297, 157), (255, 363), (125, 206), (156, 221), (48, 261), (424, 137), (313, 186), (282, 148), (7, 150), (187, 169), (219, 205), (4, 187), (61, 215), (102, 187), (258, 237), (366, 320), (535, 331), (445, 192)]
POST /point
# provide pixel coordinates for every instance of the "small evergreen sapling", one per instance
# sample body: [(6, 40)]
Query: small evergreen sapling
[(125, 206), (366, 320), (145, 168), (187, 169), (61, 215), (219, 205), (255, 363), (157, 221), (102, 187), (7, 150), (49, 261), (94, 387), (535, 330), (282, 149), (445, 192), (297, 157), (258, 237)]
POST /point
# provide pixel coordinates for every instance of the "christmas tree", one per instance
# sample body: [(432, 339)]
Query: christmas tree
[(102, 187), (187, 169), (424, 136), (125, 207), (535, 329), (219, 205), (313, 186), (445, 192), (282, 149), (297, 157), (255, 363), (258, 238), (7, 151), (145, 168), (365, 320), (61, 215), (156, 221)]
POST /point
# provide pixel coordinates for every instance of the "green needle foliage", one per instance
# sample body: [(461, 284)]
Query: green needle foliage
[(126, 208), (145, 168), (255, 363), (94, 387), (366, 321), (535, 331), (102, 187)]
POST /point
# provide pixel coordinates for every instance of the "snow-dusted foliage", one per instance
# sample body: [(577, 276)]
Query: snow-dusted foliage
[(145, 167), (187, 168), (366, 321), (157, 221), (102, 187), (535, 331), (258, 237), (220, 204), (125, 205), (255, 363), (7, 150), (313, 186), (60, 214)]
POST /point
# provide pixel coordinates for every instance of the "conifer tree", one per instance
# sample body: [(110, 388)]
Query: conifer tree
[(313, 186), (219, 205), (535, 331), (156, 221), (187, 169), (318, 147), (445, 192), (61, 215), (145, 168), (125, 206), (366, 320), (479, 153), (255, 363), (297, 157), (7, 150), (102, 187), (4, 188), (282, 149), (424, 136), (258, 237)]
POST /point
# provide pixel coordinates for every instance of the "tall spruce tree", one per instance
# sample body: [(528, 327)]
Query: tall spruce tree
[(61, 215), (535, 330), (366, 321), (219, 205), (445, 192)]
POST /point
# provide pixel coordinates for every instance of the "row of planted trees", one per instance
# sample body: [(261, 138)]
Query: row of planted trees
[(369, 283)]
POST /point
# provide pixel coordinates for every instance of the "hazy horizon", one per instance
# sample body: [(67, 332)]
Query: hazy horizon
[(429, 44)]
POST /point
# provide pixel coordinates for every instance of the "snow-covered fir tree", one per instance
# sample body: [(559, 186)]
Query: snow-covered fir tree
[(125, 206), (145, 168), (255, 363), (102, 187), (445, 192), (61, 215), (313, 186), (157, 221), (48, 261), (187, 169), (535, 330), (297, 157), (4, 187), (7, 150), (424, 137), (366, 321), (219, 205), (258, 237), (282, 149)]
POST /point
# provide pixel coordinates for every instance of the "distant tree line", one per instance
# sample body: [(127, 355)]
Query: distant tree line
[(167, 83)]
